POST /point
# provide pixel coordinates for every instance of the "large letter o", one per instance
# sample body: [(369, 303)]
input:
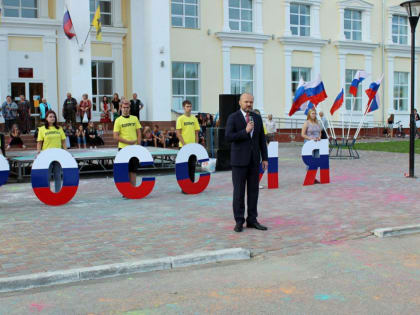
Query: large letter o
[(4, 170), (41, 182), (121, 177), (181, 168)]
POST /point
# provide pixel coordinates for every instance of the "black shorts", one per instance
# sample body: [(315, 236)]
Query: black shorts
[(133, 164)]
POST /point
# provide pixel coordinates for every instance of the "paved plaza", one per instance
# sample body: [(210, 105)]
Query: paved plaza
[(100, 227)]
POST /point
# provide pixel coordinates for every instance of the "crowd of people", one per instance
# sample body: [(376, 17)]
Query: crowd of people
[(82, 133)]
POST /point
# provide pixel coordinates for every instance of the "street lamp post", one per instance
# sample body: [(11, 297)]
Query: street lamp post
[(413, 11)]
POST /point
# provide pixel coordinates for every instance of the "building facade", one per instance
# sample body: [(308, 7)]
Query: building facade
[(170, 50)]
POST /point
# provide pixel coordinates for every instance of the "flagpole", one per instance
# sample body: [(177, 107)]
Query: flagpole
[(351, 116), (342, 120), (362, 121)]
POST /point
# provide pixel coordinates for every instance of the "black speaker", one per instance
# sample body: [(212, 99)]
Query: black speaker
[(228, 104), (223, 160)]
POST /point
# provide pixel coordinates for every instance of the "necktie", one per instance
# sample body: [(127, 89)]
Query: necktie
[(247, 118)]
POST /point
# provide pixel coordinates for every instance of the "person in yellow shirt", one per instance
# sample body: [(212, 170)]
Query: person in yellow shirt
[(127, 132), (187, 129), (52, 136)]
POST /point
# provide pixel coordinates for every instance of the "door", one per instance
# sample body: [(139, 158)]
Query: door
[(18, 88), (35, 97)]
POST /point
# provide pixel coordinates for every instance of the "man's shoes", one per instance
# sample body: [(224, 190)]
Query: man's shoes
[(257, 226), (238, 228)]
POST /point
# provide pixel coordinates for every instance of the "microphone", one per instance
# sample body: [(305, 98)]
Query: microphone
[(251, 119)]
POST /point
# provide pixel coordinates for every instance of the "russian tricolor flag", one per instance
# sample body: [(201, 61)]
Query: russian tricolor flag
[(375, 104), (68, 25), (373, 89), (338, 102), (300, 98), (313, 91), (358, 78)]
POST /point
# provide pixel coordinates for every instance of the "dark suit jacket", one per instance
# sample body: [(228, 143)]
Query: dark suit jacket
[(243, 146)]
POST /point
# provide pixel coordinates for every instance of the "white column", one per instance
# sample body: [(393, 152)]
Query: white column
[(226, 69), (50, 71), (59, 10), (258, 20), (366, 24), (43, 9), (342, 62), (390, 84), (287, 31), (226, 27), (4, 65), (341, 13), (259, 79), (117, 56), (288, 79), (116, 15), (315, 22), (79, 62), (389, 39), (317, 63), (157, 58)]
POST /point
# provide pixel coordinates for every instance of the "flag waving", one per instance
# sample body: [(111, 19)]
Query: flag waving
[(97, 23), (338, 102), (375, 104), (68, 25), (373, 89), (358, 78), (300, 98), (313, 91)]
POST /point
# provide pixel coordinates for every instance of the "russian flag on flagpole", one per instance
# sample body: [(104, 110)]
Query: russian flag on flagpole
[(315, 91), (373, 89), (338, 102), (358, 78), (300, 98), (375, 104), (68, 25), (307, 106)]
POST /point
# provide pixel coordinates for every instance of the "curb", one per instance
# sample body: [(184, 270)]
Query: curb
[(396, 231), (43, 279)]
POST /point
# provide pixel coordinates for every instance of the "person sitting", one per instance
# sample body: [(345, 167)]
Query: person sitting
[(147, 137), (390, 129), (70, 132), (92, 136), (81, 137), (158, 139), (15, 139), (100, 131), (165, 138), (173, 139)]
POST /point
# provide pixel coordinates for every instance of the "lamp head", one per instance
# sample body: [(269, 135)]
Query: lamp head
[(412, 7)]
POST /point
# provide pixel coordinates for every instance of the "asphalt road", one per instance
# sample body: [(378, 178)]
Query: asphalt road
[(364, 276)]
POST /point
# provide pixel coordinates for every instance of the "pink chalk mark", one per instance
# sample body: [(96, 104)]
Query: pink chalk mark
[(35, 307), (396, 197), (281, 221)]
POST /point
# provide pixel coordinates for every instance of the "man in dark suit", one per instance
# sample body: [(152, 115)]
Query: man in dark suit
[(244, 129)]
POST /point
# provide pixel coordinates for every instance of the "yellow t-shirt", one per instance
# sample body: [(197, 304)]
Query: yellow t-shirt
[(51, 137), (265, 129), (188, 127), (127, 128)]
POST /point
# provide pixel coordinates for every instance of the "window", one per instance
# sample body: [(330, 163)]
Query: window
[(240, 15), (101, 82), (20, 8), (401, 91), (353, 24), (185, 84), (297, 73), (300, 19), (185, 13), (106, 10), (399, 29), (350, 73), (241, 79)]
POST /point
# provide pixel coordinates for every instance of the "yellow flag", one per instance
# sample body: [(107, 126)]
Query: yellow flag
[(97, 23)]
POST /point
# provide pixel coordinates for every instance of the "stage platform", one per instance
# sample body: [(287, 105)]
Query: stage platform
[(89, 161)]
